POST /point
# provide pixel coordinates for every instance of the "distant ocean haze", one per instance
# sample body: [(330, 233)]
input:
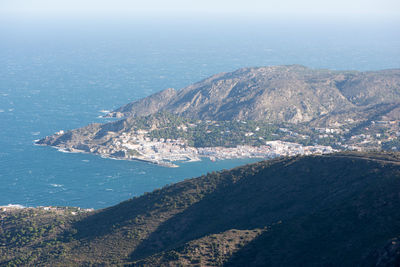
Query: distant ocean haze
[(53, 80)]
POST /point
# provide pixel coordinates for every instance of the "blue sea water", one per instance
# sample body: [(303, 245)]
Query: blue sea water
[(59, 76)]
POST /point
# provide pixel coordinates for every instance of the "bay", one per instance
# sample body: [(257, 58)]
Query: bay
[(59, 76)]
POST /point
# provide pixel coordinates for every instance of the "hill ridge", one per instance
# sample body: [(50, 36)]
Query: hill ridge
[(291, 93), (337, 209)]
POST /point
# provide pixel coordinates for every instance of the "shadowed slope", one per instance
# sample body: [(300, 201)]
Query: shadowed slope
[(316, 210), (293, 191)]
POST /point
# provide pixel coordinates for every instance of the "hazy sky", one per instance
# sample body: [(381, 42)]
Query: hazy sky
[(244, 8)]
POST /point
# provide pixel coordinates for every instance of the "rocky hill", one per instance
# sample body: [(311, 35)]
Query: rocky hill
[(345, 110), (332, 210), (275, 94)]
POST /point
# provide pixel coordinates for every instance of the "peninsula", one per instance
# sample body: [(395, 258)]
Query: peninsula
[(259, 112)]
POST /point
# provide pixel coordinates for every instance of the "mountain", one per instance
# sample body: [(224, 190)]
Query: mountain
[(344, 110), (275, 94), (323, 210)]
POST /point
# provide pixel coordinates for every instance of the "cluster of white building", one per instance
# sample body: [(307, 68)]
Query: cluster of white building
[(166, 151), (13, 207)]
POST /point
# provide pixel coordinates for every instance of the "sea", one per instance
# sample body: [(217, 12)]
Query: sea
[(60, 75)]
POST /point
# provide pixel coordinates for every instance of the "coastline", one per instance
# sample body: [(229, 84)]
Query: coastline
[(183, 153)]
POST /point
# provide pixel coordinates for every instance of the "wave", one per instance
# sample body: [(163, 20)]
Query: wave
[(64, 151)]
